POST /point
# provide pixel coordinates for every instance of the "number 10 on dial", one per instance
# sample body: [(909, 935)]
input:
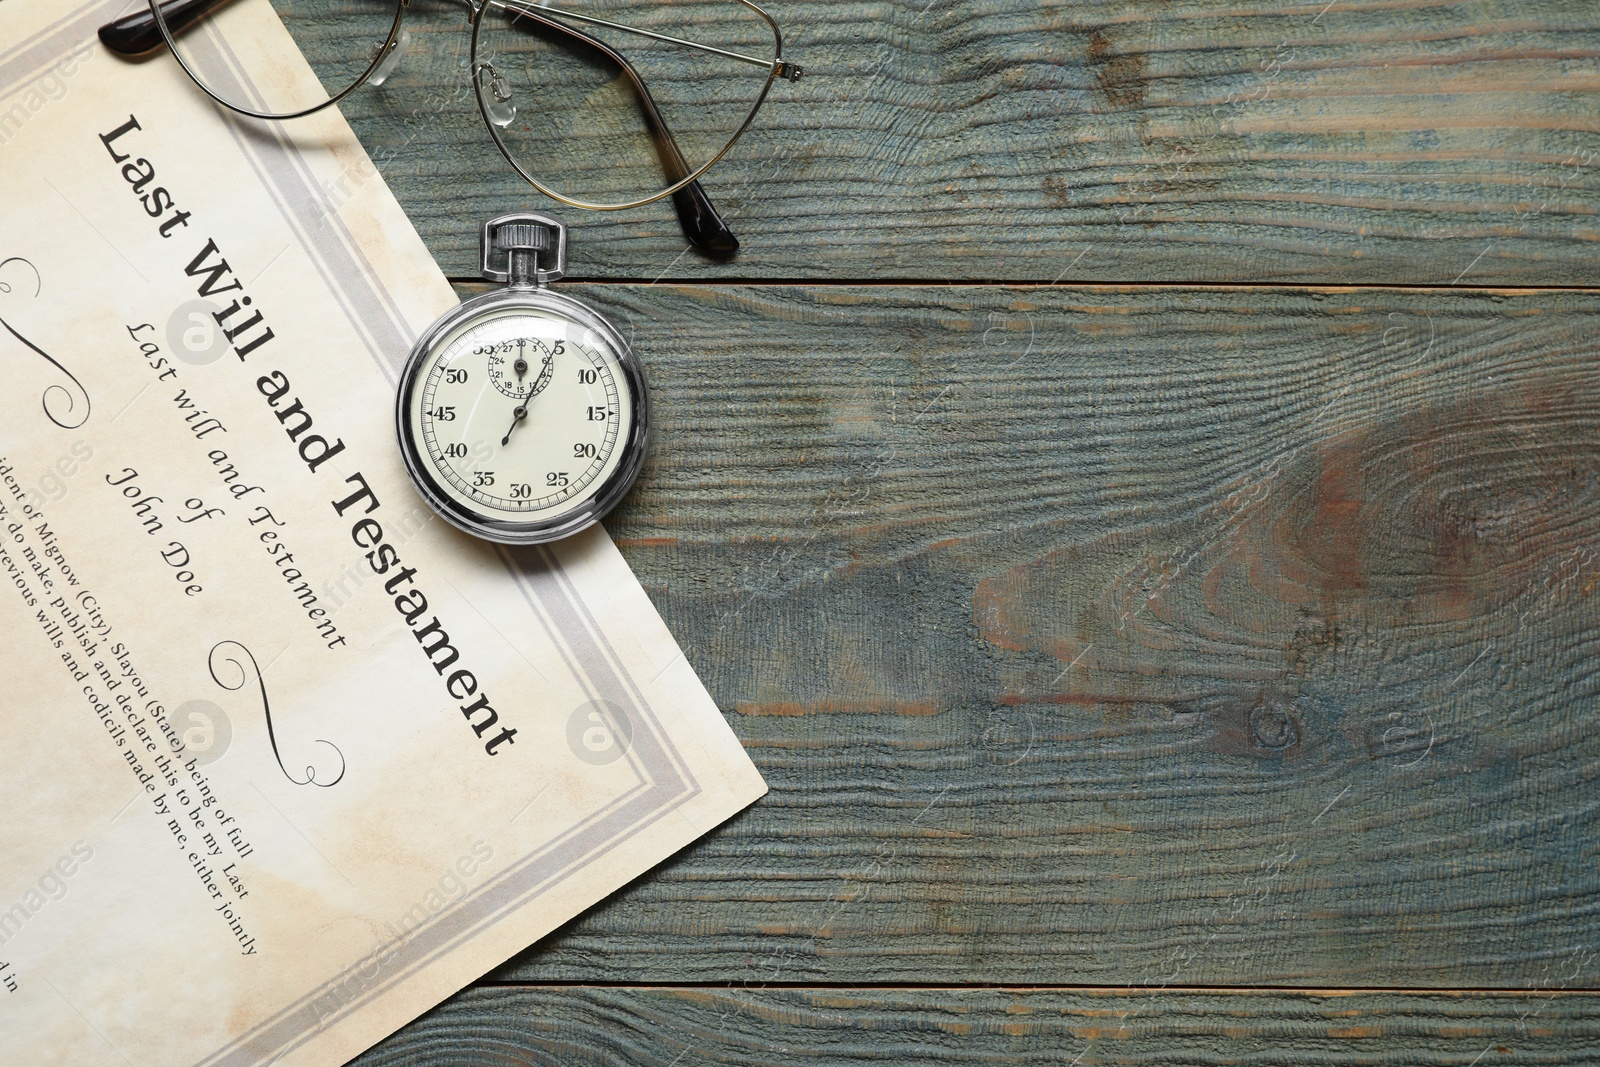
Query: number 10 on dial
[(522, 414)]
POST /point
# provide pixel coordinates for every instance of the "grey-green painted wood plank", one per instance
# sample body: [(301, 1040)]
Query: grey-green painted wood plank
[(1416, 141), (576, 1027), (1124, 635)]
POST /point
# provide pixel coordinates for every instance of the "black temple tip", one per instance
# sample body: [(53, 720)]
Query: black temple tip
[(701, 224), (132, 35)]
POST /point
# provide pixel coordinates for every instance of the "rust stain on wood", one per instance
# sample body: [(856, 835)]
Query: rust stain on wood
[(1120, 75), (1336, 538)]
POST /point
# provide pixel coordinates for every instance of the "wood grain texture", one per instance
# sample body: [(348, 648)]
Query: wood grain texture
[(1124, 635), (576, 1027), (1406, 141)]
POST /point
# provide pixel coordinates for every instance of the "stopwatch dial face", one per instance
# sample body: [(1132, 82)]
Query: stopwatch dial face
[(521, 415)]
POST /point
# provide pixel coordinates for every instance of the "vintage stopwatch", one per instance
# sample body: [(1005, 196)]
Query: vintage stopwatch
[(522, 414)]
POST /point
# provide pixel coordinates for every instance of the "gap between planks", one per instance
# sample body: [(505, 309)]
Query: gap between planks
[(1065, 283), (1045, 987)]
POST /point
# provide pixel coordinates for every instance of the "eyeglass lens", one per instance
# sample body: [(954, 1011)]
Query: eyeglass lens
[(343, 42), (609, 101)]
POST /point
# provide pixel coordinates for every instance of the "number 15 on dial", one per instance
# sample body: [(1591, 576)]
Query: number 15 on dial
[(522, 414)]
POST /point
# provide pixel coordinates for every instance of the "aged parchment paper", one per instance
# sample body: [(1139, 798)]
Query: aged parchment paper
[(287, 761)]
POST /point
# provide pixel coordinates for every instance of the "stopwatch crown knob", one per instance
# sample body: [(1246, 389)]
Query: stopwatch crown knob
[(522, 237), (534, 248)]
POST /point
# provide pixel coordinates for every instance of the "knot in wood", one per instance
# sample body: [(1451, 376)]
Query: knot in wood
[(1272, 727)]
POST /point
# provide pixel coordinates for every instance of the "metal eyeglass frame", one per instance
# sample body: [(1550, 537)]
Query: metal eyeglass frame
[(145, 31)]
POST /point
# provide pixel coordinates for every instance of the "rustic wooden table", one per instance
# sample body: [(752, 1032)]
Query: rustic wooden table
[(1137, 497)]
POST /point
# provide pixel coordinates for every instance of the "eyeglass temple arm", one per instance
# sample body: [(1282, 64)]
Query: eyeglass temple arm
[(696, 215), (138, 33), (785, 69)]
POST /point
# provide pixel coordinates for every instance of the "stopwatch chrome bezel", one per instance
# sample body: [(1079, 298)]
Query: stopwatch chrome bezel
[(529, 531)]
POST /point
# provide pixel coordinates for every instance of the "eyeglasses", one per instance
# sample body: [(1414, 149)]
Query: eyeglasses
[(600, 104)]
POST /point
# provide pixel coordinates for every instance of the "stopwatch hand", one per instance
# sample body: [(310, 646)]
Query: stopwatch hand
[(521, 411)]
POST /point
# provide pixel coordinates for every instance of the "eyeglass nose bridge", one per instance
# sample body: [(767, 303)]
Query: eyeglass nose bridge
[(522, 237)]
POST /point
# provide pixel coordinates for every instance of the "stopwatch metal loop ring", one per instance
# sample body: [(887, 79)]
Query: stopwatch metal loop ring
[(524, 239)]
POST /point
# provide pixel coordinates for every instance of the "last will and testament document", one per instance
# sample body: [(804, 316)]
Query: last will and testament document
[(286, 761)]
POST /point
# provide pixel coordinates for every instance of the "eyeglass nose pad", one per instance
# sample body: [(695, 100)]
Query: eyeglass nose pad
[(381, 73), (497, 103)]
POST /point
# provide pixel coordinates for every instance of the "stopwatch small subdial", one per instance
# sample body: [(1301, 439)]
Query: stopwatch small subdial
[(523, 372)]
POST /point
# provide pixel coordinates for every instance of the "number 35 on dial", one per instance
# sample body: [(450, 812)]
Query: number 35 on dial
[(523, 416)]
